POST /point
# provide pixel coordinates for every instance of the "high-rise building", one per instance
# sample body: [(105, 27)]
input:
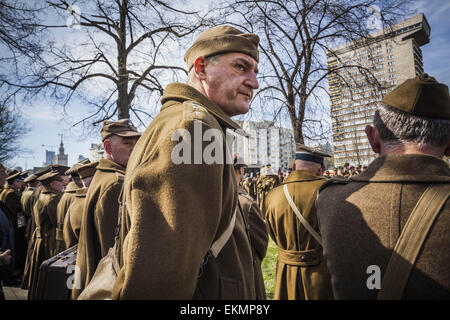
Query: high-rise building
[(265, 144), (392, 55), (49, 158), (61, 158)]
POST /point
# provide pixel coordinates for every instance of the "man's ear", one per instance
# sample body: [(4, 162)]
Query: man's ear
[(200, 67), (374, 138), (107, 146)]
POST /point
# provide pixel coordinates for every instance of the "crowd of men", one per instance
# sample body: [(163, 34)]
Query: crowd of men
[(200, 230)]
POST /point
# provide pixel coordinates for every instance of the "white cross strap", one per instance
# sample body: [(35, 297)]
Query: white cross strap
[(300, 217)]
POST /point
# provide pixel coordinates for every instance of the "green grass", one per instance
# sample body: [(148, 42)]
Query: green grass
[(269, 265)]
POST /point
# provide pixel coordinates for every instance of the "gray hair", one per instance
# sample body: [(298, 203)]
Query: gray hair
[(214, 59), (397, 127)]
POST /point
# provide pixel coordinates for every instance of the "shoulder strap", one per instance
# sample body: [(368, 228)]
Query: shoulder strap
[(300, 217), (411, 240), (217, 245)]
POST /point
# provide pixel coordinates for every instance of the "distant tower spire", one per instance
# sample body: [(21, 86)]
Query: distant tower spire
[(61, 146)]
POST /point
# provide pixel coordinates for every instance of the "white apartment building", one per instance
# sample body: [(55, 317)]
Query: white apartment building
[(393, 56), (265, 144)]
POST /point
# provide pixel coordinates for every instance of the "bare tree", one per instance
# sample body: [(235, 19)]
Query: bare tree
[(12, 129), (295, 37), (106, 53)]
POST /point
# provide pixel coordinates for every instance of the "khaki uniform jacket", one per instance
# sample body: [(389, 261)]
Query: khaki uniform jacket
[(301, 270), (361, 221), (28, 201), (11, 198), (99, 221), (63, 205), (259, 238), (72, 221), (44, 212), (26, 273), (174, 212), (264, 184)]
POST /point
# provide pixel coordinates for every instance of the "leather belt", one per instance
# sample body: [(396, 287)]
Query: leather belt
[(300, 258)]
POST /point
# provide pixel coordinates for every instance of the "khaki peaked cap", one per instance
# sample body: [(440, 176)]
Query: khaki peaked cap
[(30, 178), (73, 170), (222, 39), (13, 174), (50, 176), (122, 127), (87, 170), (421, 96)]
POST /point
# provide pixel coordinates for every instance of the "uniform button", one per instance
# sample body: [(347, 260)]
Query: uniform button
[(302, 258)]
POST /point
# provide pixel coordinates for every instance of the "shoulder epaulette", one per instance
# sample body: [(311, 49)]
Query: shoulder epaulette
[(334, 181)]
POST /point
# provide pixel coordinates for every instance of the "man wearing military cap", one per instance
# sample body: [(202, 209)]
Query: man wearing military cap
[(34, 197), (256, 228), (69, 195), (72, 220), (266, 182), (44, 212), (362, 219), (27, 201), (101, 206), (292, 224), (10, 196), (176, 210)]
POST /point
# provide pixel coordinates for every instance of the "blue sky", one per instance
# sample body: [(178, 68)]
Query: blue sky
[(46, 120)]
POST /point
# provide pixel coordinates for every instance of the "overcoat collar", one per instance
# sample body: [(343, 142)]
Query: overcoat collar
[(301, 175), (405, 168), (178, 92), (109, 165)]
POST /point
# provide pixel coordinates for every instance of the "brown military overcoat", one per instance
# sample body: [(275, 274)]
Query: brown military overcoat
[(72, 221), (27, 201), (301, 270), (99, 221), (63, 205), (361, 221), (176, 211), (26, 272), (44, 212), (259, 238), (11, 198)]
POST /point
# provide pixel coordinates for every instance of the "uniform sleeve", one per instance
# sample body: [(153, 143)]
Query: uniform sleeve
[(69, 236), (175, 212), (106, 213), (258, 233)]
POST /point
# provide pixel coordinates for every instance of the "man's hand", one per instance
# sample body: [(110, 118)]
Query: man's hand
[(5, 258)]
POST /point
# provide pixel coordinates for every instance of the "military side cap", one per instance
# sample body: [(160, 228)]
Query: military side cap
[(310, 154), (87, 170), (51, 175), (422, 96), (222, 39), (123, 128), (73, 170)]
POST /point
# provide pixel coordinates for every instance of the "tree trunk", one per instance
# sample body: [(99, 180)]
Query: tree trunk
[(123, 105)]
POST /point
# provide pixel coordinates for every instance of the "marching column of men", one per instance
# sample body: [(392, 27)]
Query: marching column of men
[(195, 230)]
